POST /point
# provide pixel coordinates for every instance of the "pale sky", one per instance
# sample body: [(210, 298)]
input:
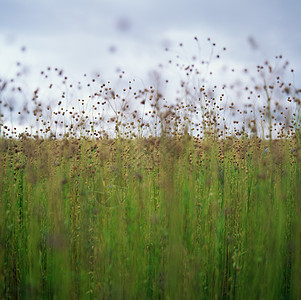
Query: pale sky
[(99, 36)]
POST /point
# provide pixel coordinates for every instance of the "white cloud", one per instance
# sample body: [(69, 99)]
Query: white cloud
[(76, 35)]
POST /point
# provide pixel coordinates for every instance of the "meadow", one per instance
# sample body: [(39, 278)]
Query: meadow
[(152, 201)]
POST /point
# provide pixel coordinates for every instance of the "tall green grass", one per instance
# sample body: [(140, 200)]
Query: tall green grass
[(157, 218), (122, 194)]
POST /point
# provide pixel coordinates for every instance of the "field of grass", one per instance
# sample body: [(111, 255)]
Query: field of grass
[(164, 208), (150, 218)]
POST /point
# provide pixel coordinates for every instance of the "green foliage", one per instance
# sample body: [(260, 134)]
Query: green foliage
[(165, 218)]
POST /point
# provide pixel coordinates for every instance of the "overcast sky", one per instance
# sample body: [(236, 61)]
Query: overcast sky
[(89, 36)]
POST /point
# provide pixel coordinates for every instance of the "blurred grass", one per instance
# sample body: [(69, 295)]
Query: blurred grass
[(157, 218)]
